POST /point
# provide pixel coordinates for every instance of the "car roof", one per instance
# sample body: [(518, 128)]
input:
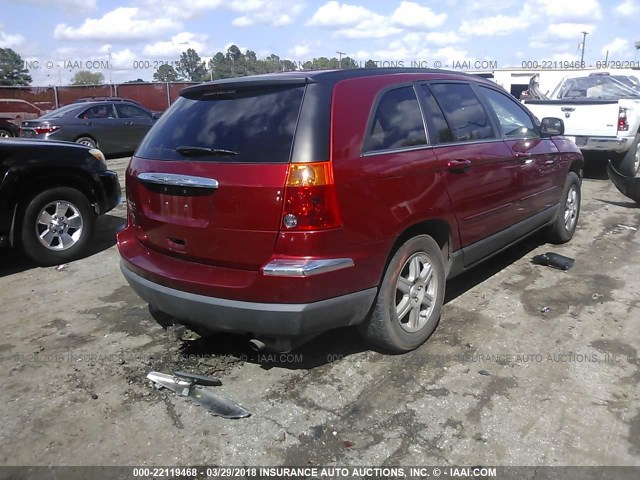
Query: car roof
[(326, 77)]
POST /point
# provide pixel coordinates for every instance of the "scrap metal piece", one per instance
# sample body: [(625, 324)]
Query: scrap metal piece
[(628, 186), (216, 404), (555, 260), (199, 379)]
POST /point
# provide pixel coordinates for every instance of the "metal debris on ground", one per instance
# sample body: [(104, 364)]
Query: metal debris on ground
[(61, 267), (554, 260), (627, 227), (545, 309), (192, 386)]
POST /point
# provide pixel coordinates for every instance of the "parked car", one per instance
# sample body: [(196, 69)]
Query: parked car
[(17, 110), (113, 127), (157, 113), (50, 195), (284, 205), (8, 128), (601, 113)]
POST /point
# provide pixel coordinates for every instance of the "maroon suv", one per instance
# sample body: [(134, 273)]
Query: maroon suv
[(281, 206)]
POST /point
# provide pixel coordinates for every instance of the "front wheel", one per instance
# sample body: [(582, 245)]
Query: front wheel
[(410, 299), (5, 133), (629, 165), (566, 222), (57, 226)]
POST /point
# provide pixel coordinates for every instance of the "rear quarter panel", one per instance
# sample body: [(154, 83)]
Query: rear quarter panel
[(381, 195)]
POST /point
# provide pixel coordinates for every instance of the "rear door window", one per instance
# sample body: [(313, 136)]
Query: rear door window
[(513, 120), (240, 125), (129, 111), (464, 112), (396, 123)]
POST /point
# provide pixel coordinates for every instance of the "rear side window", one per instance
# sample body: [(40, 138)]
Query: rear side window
[(244, 126), (130, 111), (396, 123), (514, 121), (463, 111)]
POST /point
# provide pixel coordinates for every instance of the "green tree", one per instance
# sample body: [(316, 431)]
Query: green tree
[(12, 71), (192, 67), (371, 64), (166, 73), (85, 77), (137, 80)]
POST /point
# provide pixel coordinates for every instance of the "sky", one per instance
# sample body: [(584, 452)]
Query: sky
[(126, 39)]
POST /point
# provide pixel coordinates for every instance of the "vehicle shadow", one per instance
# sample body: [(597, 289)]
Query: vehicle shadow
[(340, 343), (595, 166), (104, 237)]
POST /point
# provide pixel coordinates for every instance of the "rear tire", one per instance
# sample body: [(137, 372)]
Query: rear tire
[(5, 133), (407, 309), (57, 226), (88, 141), (565, 224)]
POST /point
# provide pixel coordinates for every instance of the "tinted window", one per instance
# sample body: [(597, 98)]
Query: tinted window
[(129, 111), (514, 121), (98, 111), (397, 122), (439, 131), (463, 111), (258, 125), (61, 112)]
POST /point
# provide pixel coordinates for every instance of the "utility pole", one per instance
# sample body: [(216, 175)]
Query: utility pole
[(340, 57), (584, 39)]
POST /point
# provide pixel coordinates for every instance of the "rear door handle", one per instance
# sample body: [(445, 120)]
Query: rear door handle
[(459, 166)]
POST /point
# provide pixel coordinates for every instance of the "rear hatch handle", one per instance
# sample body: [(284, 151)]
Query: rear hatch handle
[(176, 184)]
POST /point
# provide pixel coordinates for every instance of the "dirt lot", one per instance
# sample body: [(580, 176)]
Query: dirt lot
[(529, 366)]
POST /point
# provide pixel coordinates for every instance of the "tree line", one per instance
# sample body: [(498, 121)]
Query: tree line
[(190, 67)]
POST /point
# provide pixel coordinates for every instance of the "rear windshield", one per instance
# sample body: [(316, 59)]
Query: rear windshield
[(254, 126)]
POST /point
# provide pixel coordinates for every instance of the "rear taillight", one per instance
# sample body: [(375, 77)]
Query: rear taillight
[(623, 124), (310, 199), (46, 129)]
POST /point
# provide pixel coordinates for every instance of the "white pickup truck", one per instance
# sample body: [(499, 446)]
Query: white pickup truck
[(601, 112)]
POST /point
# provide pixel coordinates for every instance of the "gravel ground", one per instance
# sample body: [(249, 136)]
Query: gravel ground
[(529, 366)]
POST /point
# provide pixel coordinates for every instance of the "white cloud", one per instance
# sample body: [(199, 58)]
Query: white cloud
[(274, 13), (540, 44), (452, 54), (181, 42), (411, 15), (618, 47), (8, 40), (570, 10), (627, 8), (569, 31), (300, 51), (357, 22), (565, 57), (442, 38), (68, 6), (492, 26), (123, 24), (333, 14)]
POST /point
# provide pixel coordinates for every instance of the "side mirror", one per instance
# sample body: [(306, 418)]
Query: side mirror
[(551, 127)]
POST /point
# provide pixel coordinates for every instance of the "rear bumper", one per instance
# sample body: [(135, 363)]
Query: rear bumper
[(608, 144), (268, 319)]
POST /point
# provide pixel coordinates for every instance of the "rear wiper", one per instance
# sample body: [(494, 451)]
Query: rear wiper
[(203, 151)]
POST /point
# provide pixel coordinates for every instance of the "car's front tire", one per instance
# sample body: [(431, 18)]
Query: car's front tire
[(629, 164), (57, 226), (566, 222), (407, 309), (5, 133)]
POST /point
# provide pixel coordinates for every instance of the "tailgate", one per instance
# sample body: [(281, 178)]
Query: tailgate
[(216, 213), (581, 118)]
